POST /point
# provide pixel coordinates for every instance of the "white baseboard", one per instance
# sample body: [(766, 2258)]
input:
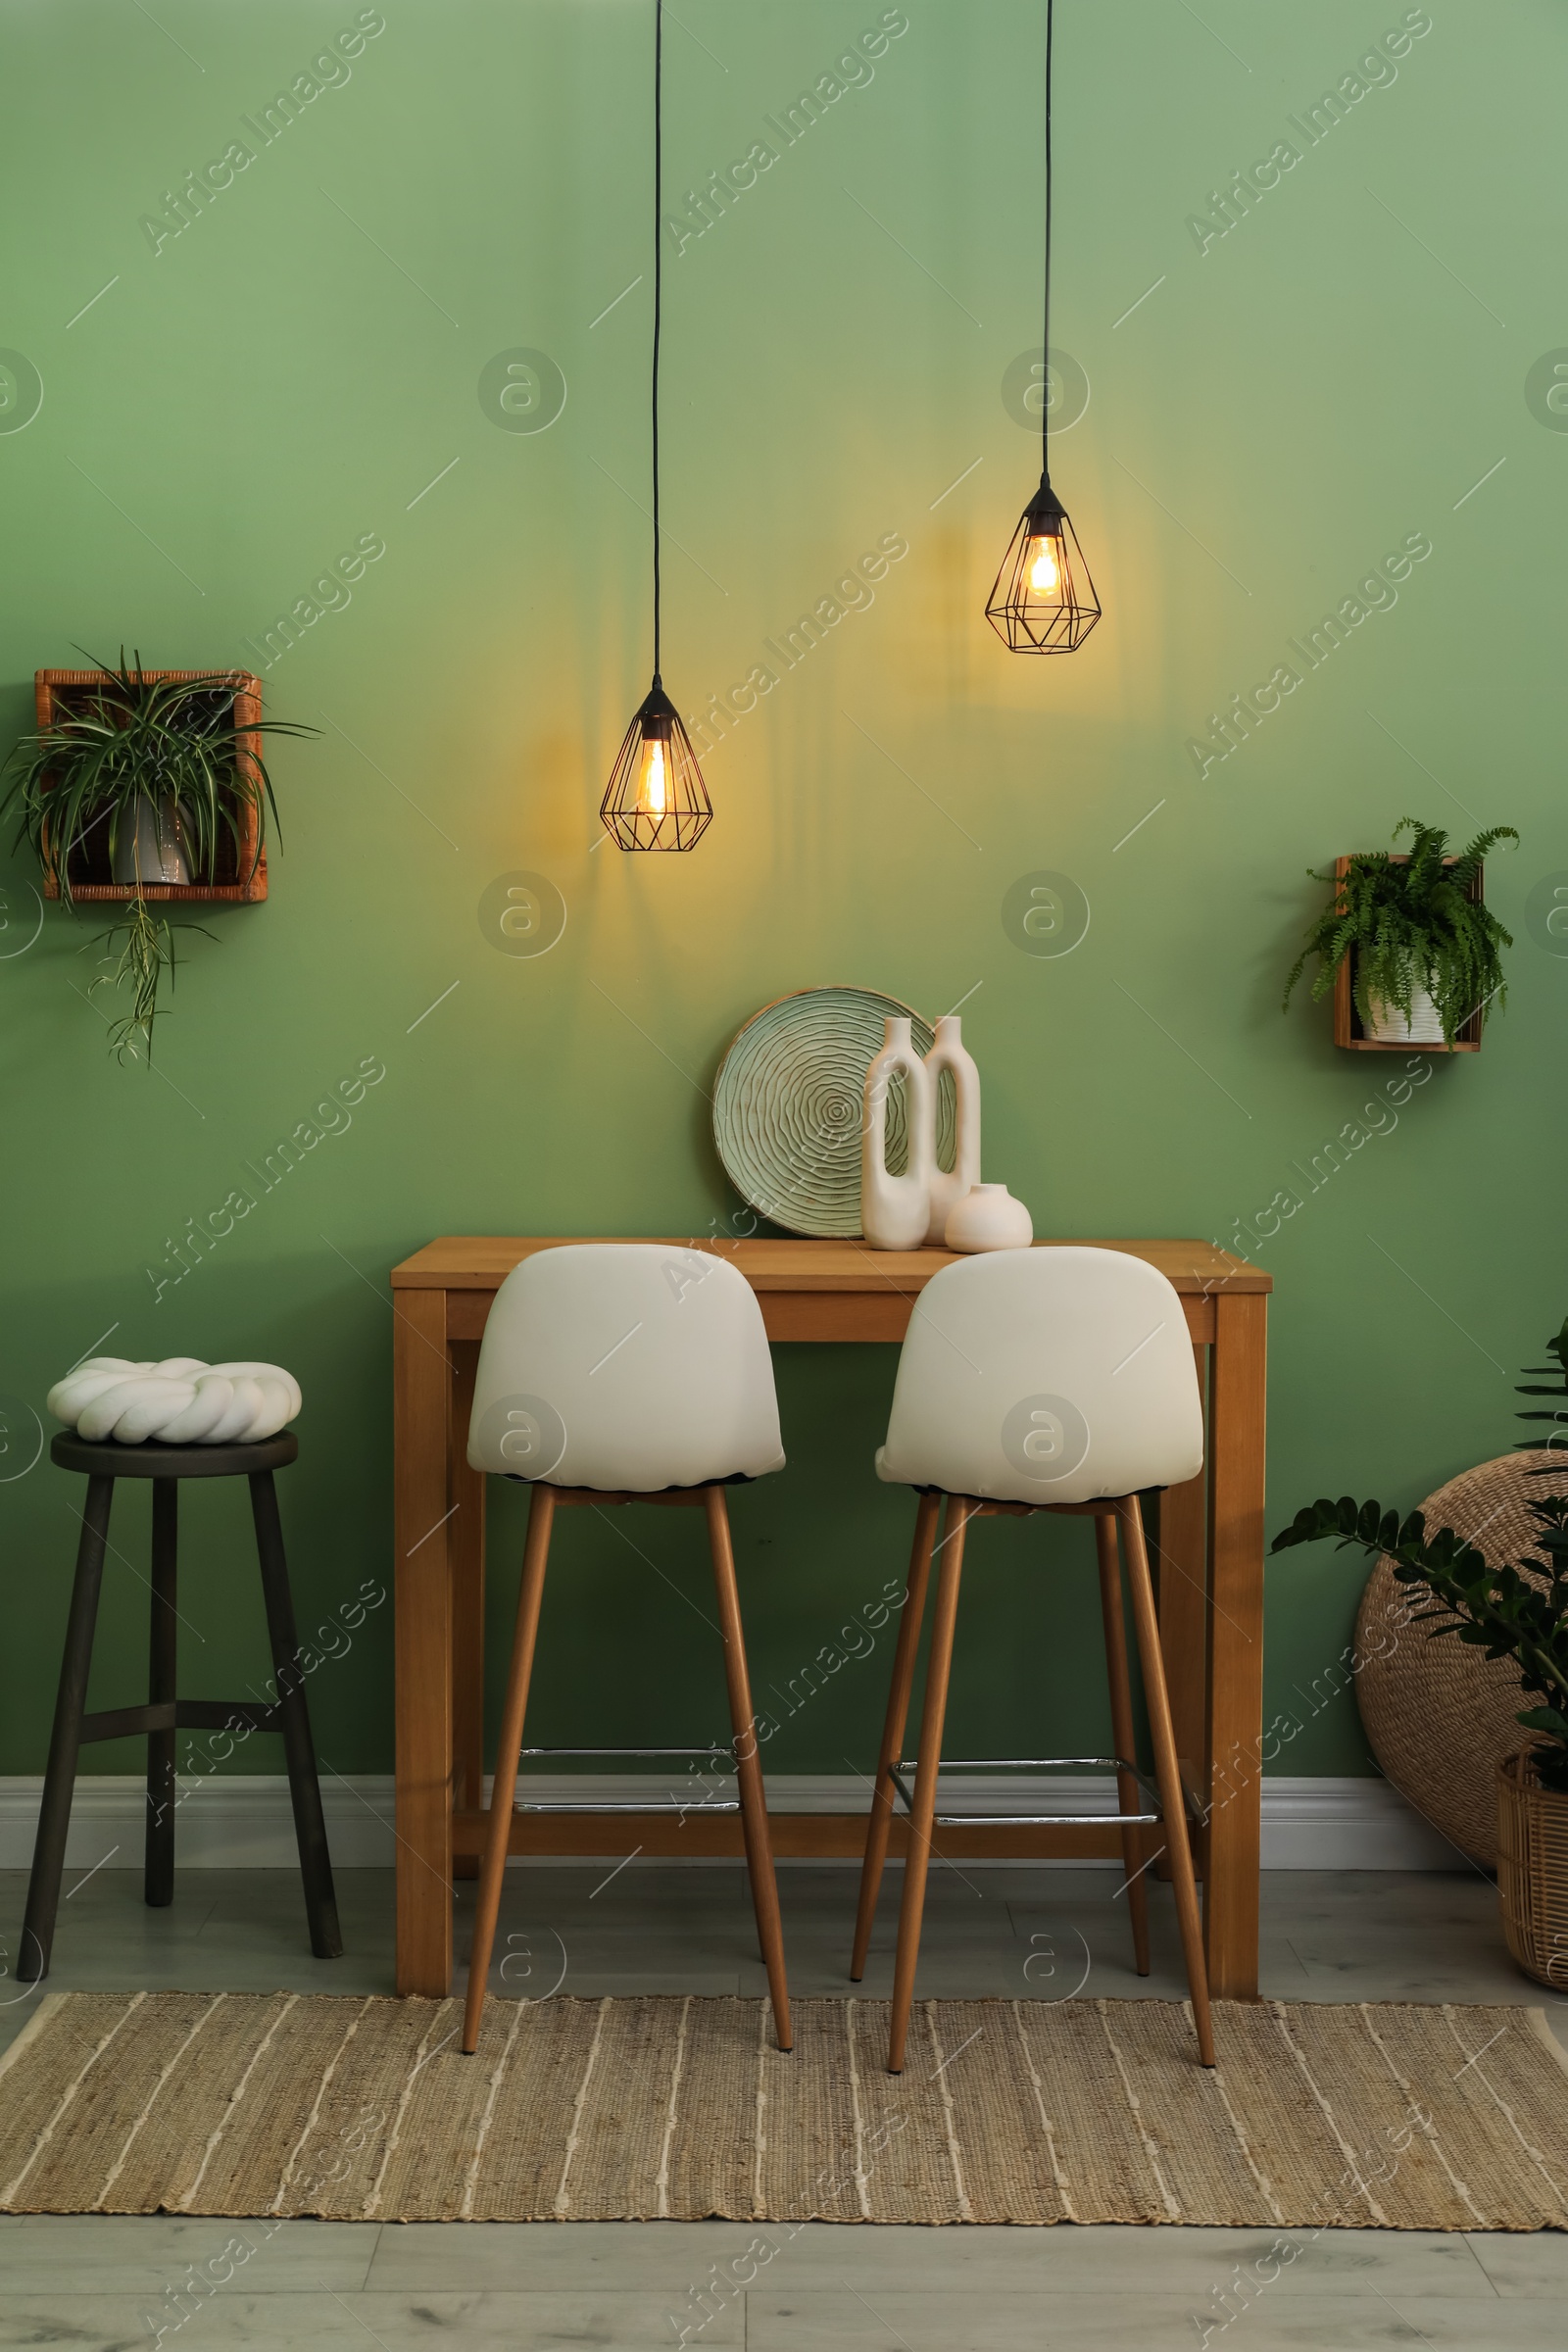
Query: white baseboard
[(1349, 1824), (243, 1822)]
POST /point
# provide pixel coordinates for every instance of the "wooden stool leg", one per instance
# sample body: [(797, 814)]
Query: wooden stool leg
[(1167, 1771), (508, 1754), (65, 1740), (924, 1811), (162, 1688), (294, 1722), (1129, 1796), (748, 1766), (903, 1656)]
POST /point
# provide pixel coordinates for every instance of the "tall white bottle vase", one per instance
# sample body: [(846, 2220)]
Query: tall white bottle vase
[(895, 1210), (948, 1187)]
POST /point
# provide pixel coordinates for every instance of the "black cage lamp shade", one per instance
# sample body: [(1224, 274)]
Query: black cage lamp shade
[(1044, 599), (655, 797)]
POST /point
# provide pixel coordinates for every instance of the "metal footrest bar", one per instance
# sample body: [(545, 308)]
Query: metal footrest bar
[(901, 1775), (640, 1804)]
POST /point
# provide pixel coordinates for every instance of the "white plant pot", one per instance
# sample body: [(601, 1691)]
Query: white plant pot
[(1388, 1025), (151, 850), (988, 1217)]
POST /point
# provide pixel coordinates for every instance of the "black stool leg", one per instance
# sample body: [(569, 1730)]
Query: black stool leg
[(162, 1688), (65, 1740), (309, 1826)]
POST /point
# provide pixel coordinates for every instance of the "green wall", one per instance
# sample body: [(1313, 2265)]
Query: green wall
[(285, 376)]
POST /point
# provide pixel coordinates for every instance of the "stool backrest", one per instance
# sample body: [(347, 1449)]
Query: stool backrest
[(625, 1365), (1046, 1375)]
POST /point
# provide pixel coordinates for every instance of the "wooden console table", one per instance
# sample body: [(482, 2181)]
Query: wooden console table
[(1210, 1562)]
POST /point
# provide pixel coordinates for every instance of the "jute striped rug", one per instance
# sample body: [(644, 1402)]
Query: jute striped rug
[(1404, 2117)]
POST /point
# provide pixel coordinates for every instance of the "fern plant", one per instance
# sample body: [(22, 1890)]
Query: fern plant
[(1411, 923), (131, 748), (1517, 1611)]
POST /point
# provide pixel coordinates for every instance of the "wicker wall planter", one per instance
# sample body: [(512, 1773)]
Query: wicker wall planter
[(1533, 1870), (239, 877), (1348, 1030)]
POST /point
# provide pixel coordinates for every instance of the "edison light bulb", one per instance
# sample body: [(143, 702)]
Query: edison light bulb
[(651, 788), (1044, 577)]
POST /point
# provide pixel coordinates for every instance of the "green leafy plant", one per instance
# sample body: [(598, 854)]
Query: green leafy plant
[(147, 952), (1557, 1350), (1411, 923), (132, 751), (1517, 1611), (1508, 1614)]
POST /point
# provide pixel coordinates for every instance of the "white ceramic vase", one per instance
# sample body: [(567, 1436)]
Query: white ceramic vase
[(895, 1210), (1388, 1026), (949, 1185), (149, 847), (988, 1217)]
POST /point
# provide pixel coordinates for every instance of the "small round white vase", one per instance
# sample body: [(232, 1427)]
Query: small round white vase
[(988, 1217)]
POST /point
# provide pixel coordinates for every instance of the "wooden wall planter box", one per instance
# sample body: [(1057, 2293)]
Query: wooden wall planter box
[(240, 874), (1348, 1029)]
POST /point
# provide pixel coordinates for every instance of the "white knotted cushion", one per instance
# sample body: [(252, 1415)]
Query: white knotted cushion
[(628, 1365), (1046, 1375), (180, 1402)]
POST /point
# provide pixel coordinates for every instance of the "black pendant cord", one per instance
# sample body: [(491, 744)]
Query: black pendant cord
[(1045, 371), (658, 276)]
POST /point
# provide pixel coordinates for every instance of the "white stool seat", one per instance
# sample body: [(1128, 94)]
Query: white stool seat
[(628, 1367), (1060, 1379), (1046, 1376), (639, 1370)]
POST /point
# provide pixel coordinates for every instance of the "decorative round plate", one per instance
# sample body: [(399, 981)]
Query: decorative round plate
[(787, 1106)]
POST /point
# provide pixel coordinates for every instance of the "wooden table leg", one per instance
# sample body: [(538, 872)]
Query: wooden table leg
[(466, 1489), (1233, 1767), (422, 1384), (1182, 1577)]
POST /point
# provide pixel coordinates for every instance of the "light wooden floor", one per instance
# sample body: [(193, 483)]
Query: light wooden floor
[(97, 2282)]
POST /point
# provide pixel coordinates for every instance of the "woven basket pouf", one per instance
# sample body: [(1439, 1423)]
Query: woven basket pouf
[(1440, 1714)]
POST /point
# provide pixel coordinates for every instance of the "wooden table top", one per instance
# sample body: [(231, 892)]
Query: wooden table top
[(479, 1262)]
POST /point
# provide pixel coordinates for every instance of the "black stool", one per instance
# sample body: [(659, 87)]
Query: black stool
[(164, 1714)]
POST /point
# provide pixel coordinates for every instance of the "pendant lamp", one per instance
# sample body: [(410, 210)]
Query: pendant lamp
[(1044, 599), (655, 797)]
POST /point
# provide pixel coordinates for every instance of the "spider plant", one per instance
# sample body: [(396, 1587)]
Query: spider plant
[(1411, 924), (131, 750), (147, 953), (131, 741)]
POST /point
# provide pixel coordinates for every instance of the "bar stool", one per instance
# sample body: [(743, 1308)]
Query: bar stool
[(165, 1713), (1055, 1379), (611, 1373)]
